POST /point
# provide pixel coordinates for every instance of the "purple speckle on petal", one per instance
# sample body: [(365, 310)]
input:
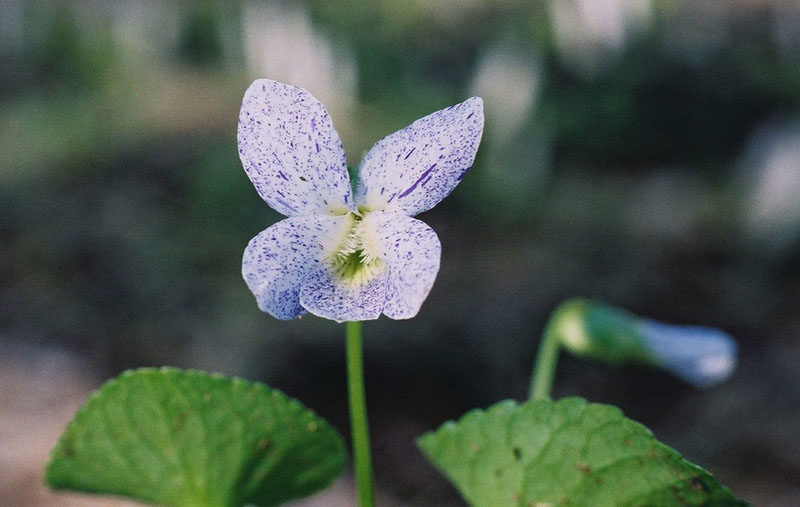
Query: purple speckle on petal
[(412, 187), (287, 205), (295, 160), (285, 132), (446, 141)]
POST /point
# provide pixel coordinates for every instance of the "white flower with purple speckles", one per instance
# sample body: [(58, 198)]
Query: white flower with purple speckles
[(337, 256)]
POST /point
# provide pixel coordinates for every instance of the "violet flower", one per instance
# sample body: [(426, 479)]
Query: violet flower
[(339, 256)]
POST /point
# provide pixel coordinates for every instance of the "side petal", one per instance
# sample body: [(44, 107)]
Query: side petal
[(290, 150), (326, 296), (278, 258), (411, 251), (416, 167)]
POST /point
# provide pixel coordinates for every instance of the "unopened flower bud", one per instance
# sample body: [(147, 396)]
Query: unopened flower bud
[(701, 356)]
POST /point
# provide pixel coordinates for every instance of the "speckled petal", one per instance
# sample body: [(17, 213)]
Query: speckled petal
[(416, 167), (411, 251), (277, 259), (330, 298), (290, 150)]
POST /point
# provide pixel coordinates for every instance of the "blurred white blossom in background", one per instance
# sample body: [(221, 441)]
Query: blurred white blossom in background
[(771, 174), (588, 30), (509, 77), (281, 43)]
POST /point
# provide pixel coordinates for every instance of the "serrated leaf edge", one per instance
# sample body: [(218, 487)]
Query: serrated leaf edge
[(235, 381), (451, 426)]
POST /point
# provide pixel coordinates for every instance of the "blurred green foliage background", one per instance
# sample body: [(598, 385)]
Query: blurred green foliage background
[(645, 153)]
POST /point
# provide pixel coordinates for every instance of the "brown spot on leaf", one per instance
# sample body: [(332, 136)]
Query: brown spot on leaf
[(583, 467), (696, 484), (178, 424), (263, 444)]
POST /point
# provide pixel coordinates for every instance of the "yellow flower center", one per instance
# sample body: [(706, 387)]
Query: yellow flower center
[(357, 260)]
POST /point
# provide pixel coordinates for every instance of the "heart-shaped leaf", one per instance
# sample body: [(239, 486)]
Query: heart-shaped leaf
[(184, 438), (568, 452)]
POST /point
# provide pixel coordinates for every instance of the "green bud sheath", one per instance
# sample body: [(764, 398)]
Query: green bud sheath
[(590, 329)]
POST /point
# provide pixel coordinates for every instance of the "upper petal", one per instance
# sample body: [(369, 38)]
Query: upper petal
[(416, 167), (290, 150), (411, 251), (278, 258)]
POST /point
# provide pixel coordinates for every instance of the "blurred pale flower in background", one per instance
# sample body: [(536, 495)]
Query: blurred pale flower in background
[(586, 30), (508, 79), (771, 176), (280, 42)]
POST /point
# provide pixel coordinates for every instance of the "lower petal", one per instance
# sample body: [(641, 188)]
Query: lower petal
[(411, 251), (277, 259), (326, 295)]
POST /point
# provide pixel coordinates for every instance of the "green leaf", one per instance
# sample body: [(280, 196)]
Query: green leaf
[(568, 452), (186, 438)]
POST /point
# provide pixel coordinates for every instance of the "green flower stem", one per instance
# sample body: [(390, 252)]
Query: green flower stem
[(546, 360), (358, 416)]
